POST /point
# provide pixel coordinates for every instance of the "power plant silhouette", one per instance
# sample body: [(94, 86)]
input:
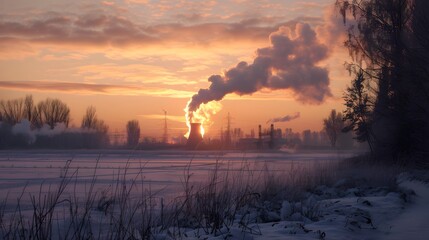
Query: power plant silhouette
[(265, 139), (195, 136)]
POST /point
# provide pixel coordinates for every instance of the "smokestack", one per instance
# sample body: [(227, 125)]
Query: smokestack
[(195, 136)]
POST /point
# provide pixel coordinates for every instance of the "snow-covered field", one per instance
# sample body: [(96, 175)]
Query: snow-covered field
[(349, 208), (162, 170)]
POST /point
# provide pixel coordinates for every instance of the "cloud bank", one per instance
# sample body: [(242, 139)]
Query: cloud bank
[(105, 29)]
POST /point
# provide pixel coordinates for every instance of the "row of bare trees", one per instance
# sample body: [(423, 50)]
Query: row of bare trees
[(49, 111)]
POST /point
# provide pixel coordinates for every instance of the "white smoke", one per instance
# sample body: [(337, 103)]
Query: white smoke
[(24, 128), (286, 118), (46, 130)]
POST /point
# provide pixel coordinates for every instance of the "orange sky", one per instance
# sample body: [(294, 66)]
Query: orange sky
[(131, 59)]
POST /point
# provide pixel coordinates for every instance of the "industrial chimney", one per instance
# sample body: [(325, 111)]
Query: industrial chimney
[(195, 136)]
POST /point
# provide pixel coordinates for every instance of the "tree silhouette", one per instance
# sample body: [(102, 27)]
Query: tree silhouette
[(333, 126), (97, 134), (133, 132), (50, 112), (90, 121), (357, 115), (12, 111), (389, 43), (29, 110), (53, 111)]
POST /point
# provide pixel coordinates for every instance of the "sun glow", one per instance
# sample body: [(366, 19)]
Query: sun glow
[(202, 115), (202, 130)]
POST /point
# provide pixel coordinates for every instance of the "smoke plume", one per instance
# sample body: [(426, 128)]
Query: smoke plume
[(289, 63), (24, 128), (286, 118)]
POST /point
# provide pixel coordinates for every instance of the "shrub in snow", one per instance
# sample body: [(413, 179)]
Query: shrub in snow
[(296, 217), (353, 192), (311, 201), (286, 210), (344, 183), (269, 216)]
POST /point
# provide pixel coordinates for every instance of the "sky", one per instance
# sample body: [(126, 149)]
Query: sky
[(133, 59)]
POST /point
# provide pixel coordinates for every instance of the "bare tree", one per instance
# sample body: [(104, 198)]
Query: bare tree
[(12, 111), (98, 136), (38, 119), (333, 126), (28, 108), (53, 111), (133, 132), (90, 121)]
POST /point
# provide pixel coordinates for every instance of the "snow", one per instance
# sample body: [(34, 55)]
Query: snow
[(347, 209), (412, 223), (387, 217), (163, 170), (378, 215)]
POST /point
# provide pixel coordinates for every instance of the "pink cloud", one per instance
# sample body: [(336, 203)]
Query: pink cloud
[(111, 30), (88, 88)]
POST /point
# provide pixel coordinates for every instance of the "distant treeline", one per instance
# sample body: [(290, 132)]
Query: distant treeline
[(25, 124), (64, 140)]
